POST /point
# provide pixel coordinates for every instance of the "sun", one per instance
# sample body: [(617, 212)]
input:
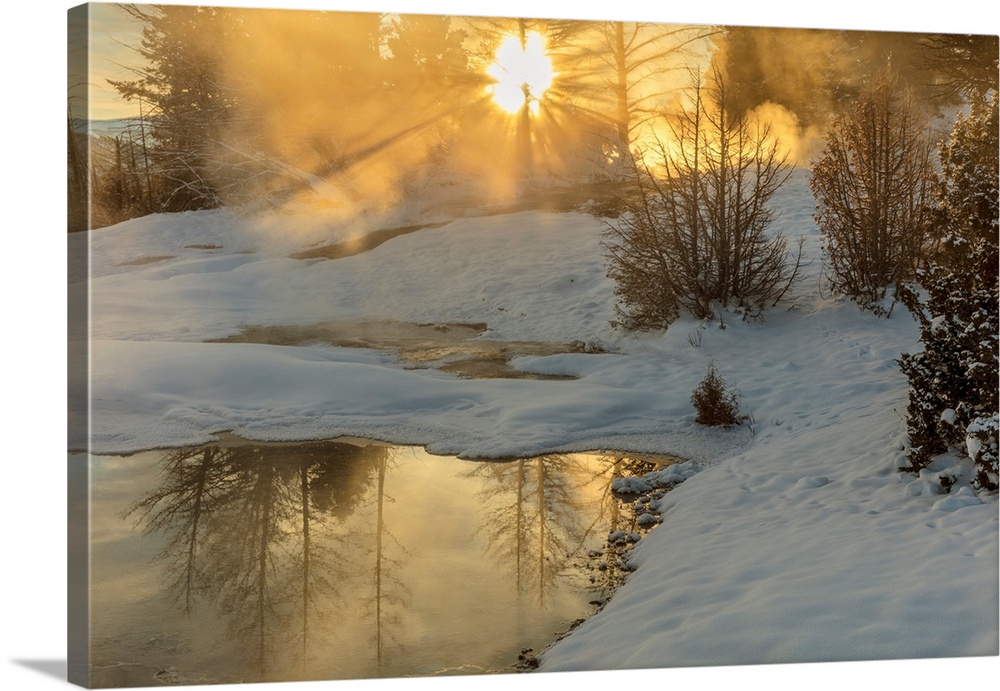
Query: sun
[(522, 73)]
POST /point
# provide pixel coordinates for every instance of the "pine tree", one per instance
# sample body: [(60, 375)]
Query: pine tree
[(953, 399), (191, 104), (715, 403), (428, 55), (251, 106), (429, 72)]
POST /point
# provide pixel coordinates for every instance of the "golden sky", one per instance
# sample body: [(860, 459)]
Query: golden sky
[(111, 32)]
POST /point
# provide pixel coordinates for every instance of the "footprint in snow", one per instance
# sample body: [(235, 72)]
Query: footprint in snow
[(812, 482), (953, 502)]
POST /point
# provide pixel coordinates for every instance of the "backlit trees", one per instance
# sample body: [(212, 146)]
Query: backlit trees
[(873, 186), (696, 233)]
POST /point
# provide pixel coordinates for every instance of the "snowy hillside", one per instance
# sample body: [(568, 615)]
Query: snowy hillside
[(797, 541)]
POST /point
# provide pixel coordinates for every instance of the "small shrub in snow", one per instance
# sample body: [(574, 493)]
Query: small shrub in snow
[(716, 405)]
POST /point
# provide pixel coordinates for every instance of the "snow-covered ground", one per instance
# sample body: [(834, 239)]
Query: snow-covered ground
[(797, 541)]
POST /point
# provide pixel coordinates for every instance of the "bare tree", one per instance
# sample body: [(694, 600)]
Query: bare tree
[(696, 232), (873, 187), (620, 73), (639, 56)]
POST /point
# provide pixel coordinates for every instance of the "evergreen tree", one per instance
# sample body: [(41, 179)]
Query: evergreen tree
[(954, 380), (802, 70), (430, 82), (715, 403), (960, 64), (815, 72), (253, 105), (191, 104), (313, 87), (427, 55)]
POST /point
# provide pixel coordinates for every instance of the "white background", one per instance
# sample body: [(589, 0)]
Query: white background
[(33, 409)]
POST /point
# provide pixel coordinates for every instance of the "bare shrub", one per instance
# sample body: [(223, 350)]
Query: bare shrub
[(695, 235), (874, 187)]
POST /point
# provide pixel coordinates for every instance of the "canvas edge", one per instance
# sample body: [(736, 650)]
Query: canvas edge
[(78, 355)]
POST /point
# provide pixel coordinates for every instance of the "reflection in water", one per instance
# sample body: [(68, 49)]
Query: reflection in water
[(388, 589), (532, 517), (240, 522), (333, 560)]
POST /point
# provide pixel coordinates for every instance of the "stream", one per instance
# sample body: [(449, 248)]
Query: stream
[(248, 562), (450, 347)]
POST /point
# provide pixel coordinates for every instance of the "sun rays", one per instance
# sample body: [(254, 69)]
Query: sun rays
[(522, 73)]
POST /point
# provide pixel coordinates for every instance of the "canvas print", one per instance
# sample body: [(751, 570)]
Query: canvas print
[(407, 345)]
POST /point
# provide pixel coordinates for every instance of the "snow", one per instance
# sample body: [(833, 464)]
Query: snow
[(792, 538), (973, 443), (949, 415), (659, 479)]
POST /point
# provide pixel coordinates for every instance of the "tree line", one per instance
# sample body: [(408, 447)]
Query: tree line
[(242, 106), (905, 216), (251, 106)]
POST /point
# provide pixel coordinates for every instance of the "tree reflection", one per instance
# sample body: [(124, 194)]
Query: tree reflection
[(292, 546), (531, 520), (540, 513), (387, 590), (241, 525), (618, 515), (189, 492)]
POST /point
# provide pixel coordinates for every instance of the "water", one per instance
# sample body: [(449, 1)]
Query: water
[(454, 347), (331, 560)]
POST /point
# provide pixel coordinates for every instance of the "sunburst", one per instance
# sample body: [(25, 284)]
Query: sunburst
[(522, 73)]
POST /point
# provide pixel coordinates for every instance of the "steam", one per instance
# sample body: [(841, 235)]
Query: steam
[(800, 143), (305, 77), (326, 108)]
